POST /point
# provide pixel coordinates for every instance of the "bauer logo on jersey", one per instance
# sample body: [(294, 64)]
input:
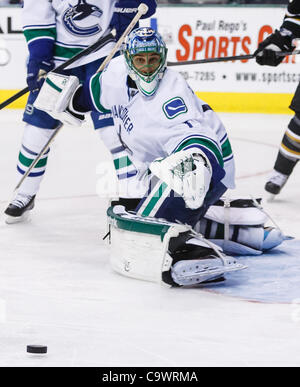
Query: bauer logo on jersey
[(76, 19), (174, 107)]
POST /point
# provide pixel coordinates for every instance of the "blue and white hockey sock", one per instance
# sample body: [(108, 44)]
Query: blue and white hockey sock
[(34, 139)]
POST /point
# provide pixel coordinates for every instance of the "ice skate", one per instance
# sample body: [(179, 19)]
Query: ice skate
[(275, 184), (195, 262), (202, 270), (18, 209)]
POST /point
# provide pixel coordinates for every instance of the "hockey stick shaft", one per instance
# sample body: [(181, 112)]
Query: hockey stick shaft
[(227, 58), (211, 60), (97, 45), (142, 10), (287, 53)]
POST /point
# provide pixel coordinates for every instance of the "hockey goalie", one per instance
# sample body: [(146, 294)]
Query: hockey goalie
[(172, 153)]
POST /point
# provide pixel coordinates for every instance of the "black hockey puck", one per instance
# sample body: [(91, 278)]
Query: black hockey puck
[(36, 348)]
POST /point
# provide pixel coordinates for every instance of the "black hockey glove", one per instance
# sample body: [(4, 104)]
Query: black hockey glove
[(34, 67), (267, 49)]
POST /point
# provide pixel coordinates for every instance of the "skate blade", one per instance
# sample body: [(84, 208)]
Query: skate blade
[(17, 219), (184, 278), (270, 198)]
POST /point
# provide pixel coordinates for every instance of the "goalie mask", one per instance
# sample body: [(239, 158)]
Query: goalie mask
[(145, 54)]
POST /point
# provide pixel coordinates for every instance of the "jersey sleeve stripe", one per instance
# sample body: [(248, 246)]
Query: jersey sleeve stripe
[(226, 149), (95, 93), (197, 136), (31, 35), (62, 44), (65, 52), (205, 143), (206, 146), (223, 138), (226, 159), (39, 26)]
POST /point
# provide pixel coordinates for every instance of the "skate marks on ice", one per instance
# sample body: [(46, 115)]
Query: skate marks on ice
[(273, 277)]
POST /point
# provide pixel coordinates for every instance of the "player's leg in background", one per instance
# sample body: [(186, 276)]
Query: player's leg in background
[(39, 127), (289, 151)]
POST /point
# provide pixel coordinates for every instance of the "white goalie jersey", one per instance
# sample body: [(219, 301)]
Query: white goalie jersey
[(173, 119), (72, 24)]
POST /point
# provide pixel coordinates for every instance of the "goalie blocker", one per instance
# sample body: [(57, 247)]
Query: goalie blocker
[(176, 255)]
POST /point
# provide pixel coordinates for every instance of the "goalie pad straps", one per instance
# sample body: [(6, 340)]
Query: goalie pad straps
[(238, 226), (226, 218)]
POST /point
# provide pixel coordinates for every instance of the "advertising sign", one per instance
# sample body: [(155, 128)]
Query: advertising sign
[(192, 33)]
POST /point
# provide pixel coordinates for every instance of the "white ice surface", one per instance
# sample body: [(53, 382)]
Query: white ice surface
[(56, 286)]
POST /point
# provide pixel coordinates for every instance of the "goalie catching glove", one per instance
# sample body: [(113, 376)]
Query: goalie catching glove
[(188, 173), (56, 98)]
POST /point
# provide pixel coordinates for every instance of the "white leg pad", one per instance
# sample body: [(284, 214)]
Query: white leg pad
[(139, 249), (140, 254)]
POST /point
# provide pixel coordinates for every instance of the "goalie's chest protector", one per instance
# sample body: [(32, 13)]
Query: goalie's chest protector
[(146, 125), (139, 128)]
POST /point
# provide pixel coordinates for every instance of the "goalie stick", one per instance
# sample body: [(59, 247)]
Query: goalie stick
[(142, 10)]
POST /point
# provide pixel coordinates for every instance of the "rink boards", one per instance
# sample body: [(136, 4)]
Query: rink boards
[(192, 33)]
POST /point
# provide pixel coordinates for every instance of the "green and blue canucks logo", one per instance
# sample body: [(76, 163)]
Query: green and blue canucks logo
[(174, 107), (75, 14)]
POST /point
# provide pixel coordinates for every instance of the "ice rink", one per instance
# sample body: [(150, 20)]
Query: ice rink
[(57, 288)]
